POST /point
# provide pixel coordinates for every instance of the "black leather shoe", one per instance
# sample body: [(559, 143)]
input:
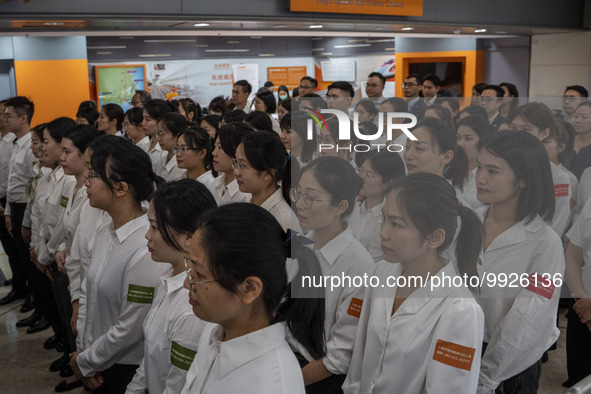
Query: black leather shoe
[(41, 324), (11, 297), (60, 347), (64, 386), (51, 342), (66, 371), (28, 305), (59, 363), (27, 321), (8, 282)]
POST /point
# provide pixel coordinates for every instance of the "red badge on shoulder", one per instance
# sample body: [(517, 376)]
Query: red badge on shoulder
[(454, 355), (561, 190), (355, 307), (541, 286)]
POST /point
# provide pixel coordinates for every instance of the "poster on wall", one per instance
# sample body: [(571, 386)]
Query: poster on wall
[(250, 72), (117, 83), (286, 76), (338, 70)]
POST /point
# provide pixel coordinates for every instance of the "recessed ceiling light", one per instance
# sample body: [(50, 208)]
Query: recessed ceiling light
[(256, 37), (408, 28), (53, 23), (227, 50), (201, 24), (155, 55), (201, 45), (266, 54), (233, 42), (170, 40), (316, 27), (352, 45), (279, 26), (108, 47), (104, 53), (480, 31)]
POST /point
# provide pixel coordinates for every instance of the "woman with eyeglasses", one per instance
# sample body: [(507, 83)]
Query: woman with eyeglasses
[(171, 329), (226, 186), (170, 126), (324, 197), (121, 280), (237, 280), (193, 154), (378, 171), (262, 163)]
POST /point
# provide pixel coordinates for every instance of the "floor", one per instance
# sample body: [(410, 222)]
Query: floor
[(24, 364)]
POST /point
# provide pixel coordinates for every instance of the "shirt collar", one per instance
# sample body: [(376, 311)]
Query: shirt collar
[(23, 140), (413, 101), (515, 234), (375, 211), (130, 227), (174, 283), (57, 174), (156, 148), (233, 187), (239, 351), (335, 247), (171, 164), (9, 137), (273, 200)]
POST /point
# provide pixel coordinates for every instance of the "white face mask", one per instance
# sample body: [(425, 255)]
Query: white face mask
[(282, 96)]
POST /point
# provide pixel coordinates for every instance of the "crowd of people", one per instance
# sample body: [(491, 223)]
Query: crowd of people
[(168, 247)]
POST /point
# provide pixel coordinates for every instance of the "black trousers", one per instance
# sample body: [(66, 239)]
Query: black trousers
[(578, 347), (19, 270), (330, 385), (64, 307), (526, 382), (116, 379)]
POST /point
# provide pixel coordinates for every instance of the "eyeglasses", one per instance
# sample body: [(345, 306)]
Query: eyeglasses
[(409, 85), (182, 149), (159, 134), (486, 99), (571, 99), (374, 85), (306, 87), (8, 116), (307, 200), (370, 175), (190, 277), (238, 166)]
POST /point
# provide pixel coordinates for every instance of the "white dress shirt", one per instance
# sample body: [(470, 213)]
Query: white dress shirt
[(520, 322), (280, 209), (81, 250), (116, 297), (52, 232), (580, 235), (72, 217), (583, 192), (365, 225), (172, 333), (20, 169), (469, 193), (156, 154), (562, 190), (208, 180), (6, 145), (226, 194), (411, 350), (343, 255), (144, 144), (170, 171), (255, 363)]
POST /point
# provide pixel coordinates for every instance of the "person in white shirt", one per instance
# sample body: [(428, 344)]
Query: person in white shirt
[(110, 120), (394, 104), (538, 120), (193, 154), (262, 163), (378, 171), (228, 139), (472, 132), (190, 110), (120, 283), (578, 279), (325, 197), (211, 124), (515, 180), (132, 125), (73, 146), (171, 329), (240, 92), (170, 126), (237, 279), (436, 151), (153, 111), (426, 336), (294, 138), (265, 102)]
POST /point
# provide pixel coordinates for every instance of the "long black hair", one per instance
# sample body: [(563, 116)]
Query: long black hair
[(237, 249)]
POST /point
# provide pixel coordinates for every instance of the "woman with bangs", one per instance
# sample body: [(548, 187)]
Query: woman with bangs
[(134, 130), (193, 154)]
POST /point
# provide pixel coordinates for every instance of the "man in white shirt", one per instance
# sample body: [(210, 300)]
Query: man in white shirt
[(571, 98), (18, 112), (374, 88), (240, 92)]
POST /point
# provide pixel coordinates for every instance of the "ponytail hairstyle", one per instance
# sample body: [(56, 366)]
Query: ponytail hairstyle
[(157, 108), (265, 152), (338, 178), (189, 106), (528, 159), (197, 138), (259, 121), (116, 159), (57, 128), (213, 121), (299, 125), (237, 250), (174, 122), (540, 116), (135, 115), (231, 135), (82, 135), (431, 203), (113, 111), (445, 138), (178, 205)]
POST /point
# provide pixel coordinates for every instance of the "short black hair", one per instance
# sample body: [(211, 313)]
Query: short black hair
[(499, 90), (434, 79), (415, 76), (313, 81), (230, 136), (259, 121), (578, 88), (144, 96), (246, 86), (342, 85), (135, 115), (378, 75), (157, 108), (269, 100), (22, 106), (268, 84), (114, 111)]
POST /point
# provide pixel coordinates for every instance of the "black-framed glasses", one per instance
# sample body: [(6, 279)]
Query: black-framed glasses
[(409, 85), (307, 200), (182, 149)]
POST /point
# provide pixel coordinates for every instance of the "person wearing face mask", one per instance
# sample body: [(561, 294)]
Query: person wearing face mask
[(282, 93)]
